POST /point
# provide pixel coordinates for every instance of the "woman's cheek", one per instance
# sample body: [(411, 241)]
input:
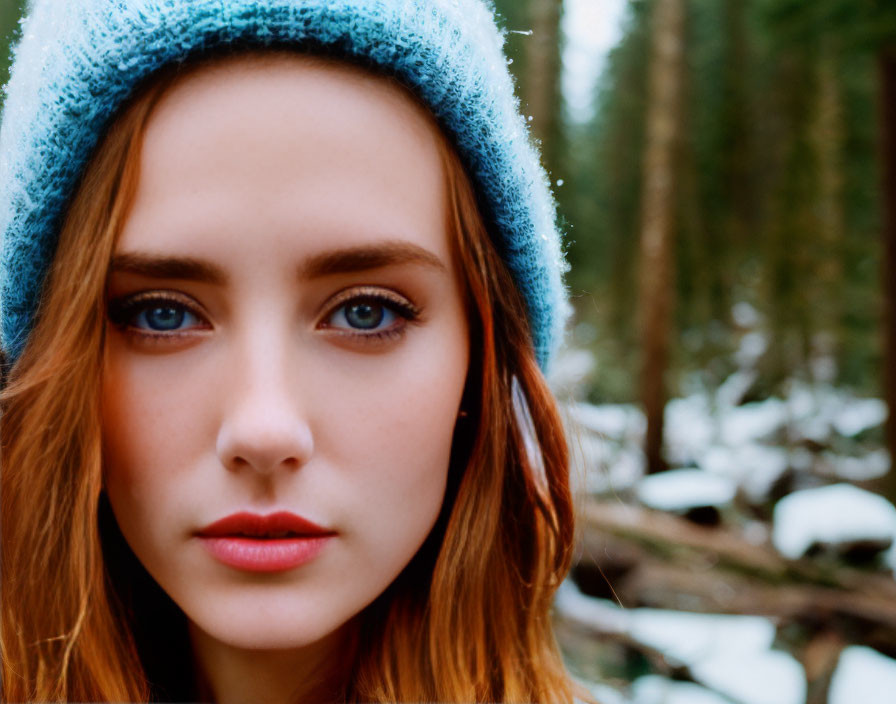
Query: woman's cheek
[(394, 448), (151, 427)]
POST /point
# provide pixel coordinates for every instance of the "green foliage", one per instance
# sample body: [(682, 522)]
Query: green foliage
[(602, 201), (777, 194), (859, 25), (513, 17), (10, 11)]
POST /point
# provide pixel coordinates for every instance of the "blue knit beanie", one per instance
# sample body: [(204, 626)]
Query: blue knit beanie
[(79, 60)]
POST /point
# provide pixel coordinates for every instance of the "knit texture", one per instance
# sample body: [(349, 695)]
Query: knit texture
[(79, 60)]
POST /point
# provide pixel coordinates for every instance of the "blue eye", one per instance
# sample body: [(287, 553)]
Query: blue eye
[(153, 314), (371, 314), (165, 318), (363, 314)]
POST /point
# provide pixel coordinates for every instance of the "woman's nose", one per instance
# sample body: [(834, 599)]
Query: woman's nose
[(264, 429)]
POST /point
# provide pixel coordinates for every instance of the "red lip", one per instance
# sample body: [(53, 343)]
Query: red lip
[(274, 543), (254, 525)]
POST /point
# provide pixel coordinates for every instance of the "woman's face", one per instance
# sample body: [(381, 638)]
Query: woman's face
[(287, 336)]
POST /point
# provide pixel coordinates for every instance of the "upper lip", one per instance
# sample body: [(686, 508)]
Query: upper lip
[(252, 524)]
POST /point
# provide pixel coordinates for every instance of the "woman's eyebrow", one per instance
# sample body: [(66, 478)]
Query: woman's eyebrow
[(338, 261), (163, 267), (373, 256)]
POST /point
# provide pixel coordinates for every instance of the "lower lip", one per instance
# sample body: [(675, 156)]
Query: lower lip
[(265, 555)]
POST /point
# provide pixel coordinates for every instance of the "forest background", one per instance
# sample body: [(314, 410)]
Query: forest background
[(728, 195)]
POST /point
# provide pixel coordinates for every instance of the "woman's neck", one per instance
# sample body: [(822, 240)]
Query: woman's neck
[(310, 674)]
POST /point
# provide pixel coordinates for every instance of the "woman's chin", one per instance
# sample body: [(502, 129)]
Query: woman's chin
[(265, 632)]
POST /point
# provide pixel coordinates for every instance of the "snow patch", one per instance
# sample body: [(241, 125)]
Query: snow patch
[(755, 467), (871, 465), (571, 368), (653, 689), (762, 677), (684, 489), (600, 614), (617, 421), (691, 637), (689, 427), (863, 675), (732, 391), (859, 415), (605, 694), (745, 315), (753, 421), (603, 466), (752, 346), (835, 514), (730, 654)]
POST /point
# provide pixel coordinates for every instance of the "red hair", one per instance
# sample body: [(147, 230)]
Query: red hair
[(466, 620)]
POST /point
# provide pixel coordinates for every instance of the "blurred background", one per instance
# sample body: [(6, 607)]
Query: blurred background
[(726, 178)]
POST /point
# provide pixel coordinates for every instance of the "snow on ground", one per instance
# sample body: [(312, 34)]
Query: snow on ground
[(745, 315), (605, 446), (653, 689), (570, 370), (729, 654), (871, 465), (732, 391), (819, 409), (836, 514), (691, 638), (602, 467), (752, 422), (754, 467), (605, 694), (619, 422), (687, 638), (726, 444), (743, 443), (680, 490), (600, 614), (757, 677), (860, 415), (863, 675), (689, 427)]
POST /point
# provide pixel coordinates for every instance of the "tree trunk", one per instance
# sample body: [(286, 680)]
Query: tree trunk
[(887, 76), (659, 214), (819, 658), (828, 134), (792, 225), (541, 92)]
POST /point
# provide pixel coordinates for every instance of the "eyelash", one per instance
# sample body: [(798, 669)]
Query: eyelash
[(123, 310), (404, 310)]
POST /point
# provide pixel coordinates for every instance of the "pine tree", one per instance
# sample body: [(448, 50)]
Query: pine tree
[(658, 216), (541, 82)]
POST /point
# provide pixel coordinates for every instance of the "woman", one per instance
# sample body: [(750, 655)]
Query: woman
[(274, 427)]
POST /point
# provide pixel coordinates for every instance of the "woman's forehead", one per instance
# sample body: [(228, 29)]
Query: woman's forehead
[(284, 147)]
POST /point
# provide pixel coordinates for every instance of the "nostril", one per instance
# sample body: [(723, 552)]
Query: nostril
[(288, 463), (264, 440)]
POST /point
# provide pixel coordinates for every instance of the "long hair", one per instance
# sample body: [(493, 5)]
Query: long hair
[(467, 620)]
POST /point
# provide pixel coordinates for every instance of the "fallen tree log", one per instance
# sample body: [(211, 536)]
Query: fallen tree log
[(649, 558)]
